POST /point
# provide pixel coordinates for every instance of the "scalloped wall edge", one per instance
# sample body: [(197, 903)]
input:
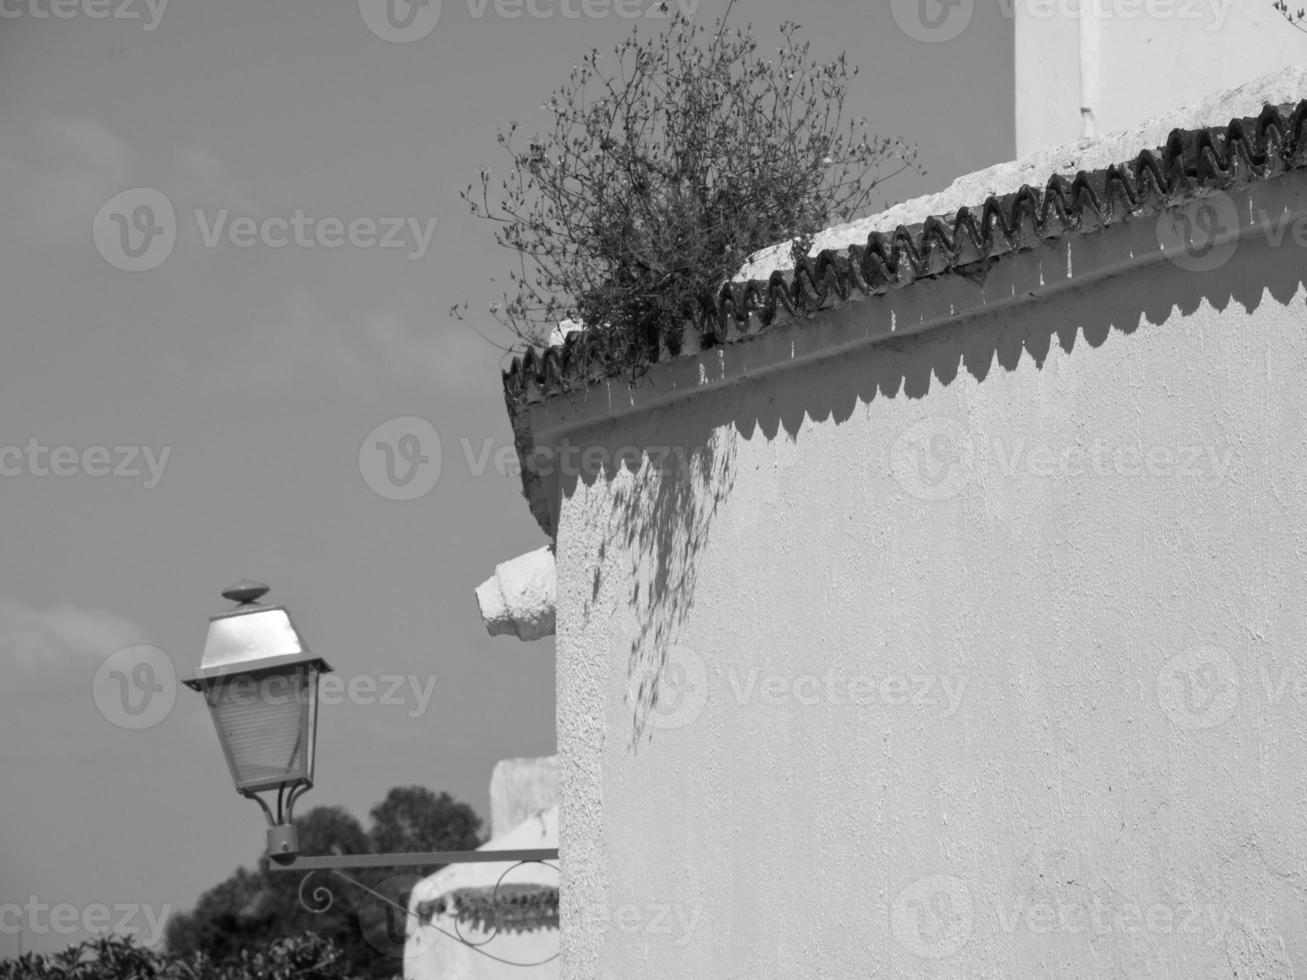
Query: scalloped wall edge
[(1246, 150)]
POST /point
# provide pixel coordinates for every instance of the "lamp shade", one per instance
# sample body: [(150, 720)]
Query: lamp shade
[(260, 682)]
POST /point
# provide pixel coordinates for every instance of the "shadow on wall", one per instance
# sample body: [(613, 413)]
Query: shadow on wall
[(657, 518), (661, 510), (664, 524)]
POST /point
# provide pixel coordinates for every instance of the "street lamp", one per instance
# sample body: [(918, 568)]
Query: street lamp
[(260, 682)]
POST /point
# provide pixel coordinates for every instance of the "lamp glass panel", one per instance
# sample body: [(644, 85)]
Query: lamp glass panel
[(265, 724)]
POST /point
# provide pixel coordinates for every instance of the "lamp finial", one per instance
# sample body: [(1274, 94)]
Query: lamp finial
[(246, 592)]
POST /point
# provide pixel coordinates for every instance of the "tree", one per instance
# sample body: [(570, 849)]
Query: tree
[(330, 829), (258, 907), (366, 924), (660, 177), (410, 819), (226, 917), (323, 830)]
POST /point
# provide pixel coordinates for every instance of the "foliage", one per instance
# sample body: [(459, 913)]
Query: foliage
[(661, 175), (258, 907), (226, 917), (307, 957), (412, 818)]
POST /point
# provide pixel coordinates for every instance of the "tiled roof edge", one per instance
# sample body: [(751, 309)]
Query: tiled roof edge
[(510, 908), (1247, 149)]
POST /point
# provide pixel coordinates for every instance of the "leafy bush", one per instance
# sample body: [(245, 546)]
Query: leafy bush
[(253, 908), (660, 177), (307, 957)]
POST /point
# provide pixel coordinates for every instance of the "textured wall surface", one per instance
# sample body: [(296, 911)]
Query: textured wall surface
[(1145, 57), (973, 652)]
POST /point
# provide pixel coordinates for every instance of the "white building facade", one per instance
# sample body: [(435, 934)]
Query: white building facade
[(953, 628)]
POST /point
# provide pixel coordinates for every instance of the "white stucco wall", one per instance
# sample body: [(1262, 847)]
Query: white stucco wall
[(1130, 60), (979, 650), (519, 789)]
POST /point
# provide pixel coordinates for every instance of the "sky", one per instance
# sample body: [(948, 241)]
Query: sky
[(185, 404)]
